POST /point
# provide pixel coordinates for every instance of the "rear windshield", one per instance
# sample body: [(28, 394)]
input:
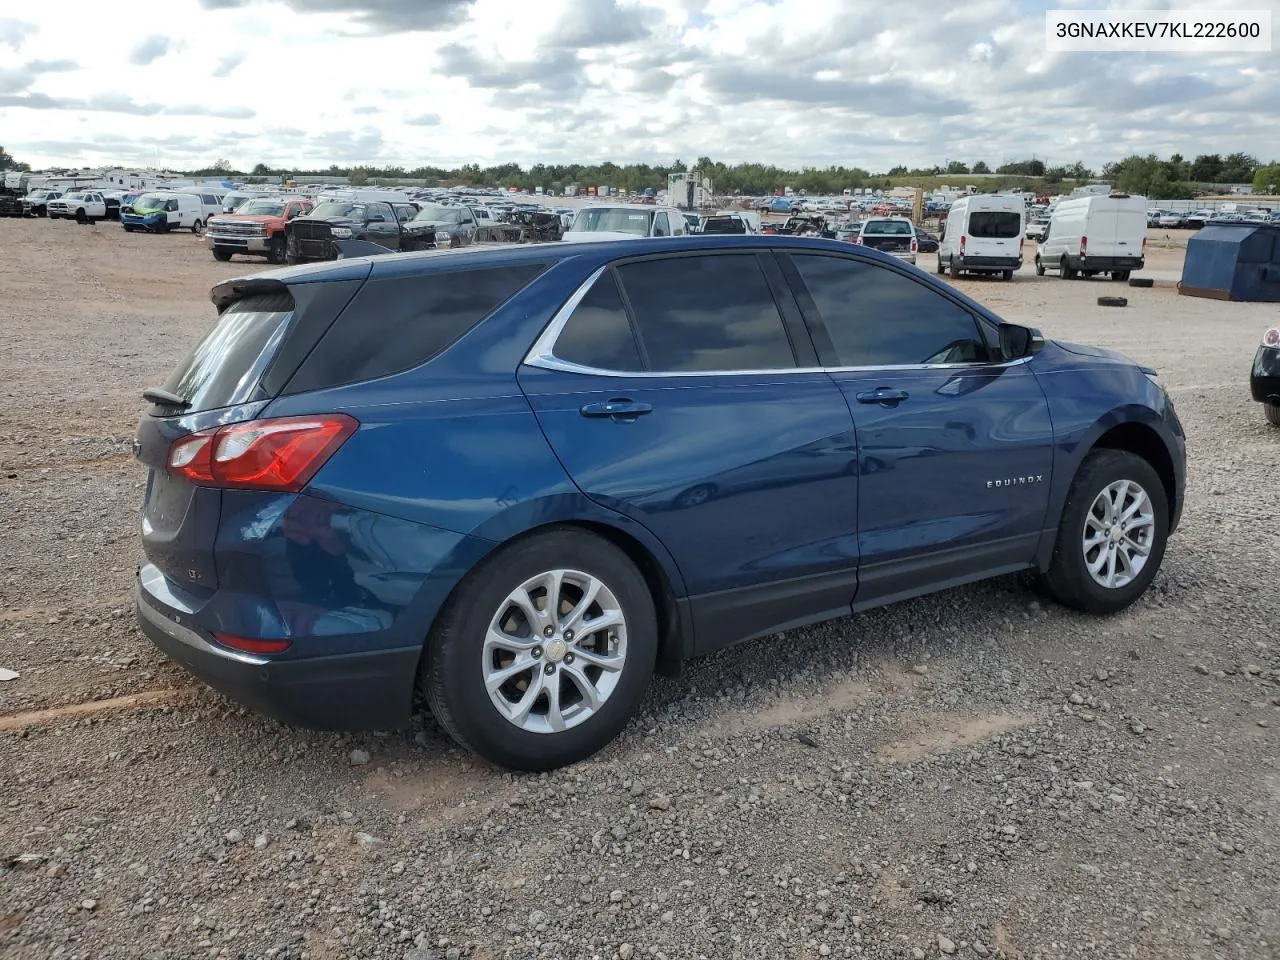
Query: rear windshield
[(888, 227), (724, 225), (225, 367), (613, 220), (989, 225)]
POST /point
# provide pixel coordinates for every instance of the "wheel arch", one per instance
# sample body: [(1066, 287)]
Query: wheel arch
[(1142, 440)]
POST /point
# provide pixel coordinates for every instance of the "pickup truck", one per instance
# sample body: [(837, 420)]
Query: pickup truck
[(892, 235), (36, 203), (257, 228), (83, 206), (311, 236)]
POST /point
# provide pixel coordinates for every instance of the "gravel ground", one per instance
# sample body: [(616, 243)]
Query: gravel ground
[(977, 773)]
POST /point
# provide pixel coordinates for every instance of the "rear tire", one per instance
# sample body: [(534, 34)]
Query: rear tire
[(221, 254), (1121, 275), (1039, 266), (1066, 272), (1085, 516), (460, 664), (941, 268), (1007, 276), (1272, 411), (953, 270), (196, 227)]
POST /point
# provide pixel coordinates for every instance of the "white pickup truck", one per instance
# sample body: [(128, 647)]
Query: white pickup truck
[(84, 206)]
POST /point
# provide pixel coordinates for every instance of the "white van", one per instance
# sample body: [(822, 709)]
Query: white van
[(162, 211), (626, 222), (1095, 234), (983, 234)]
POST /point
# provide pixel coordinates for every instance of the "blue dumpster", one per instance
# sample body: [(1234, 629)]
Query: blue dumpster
[(1233, 261)]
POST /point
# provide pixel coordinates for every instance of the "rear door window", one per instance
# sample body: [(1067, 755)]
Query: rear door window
[(993, 225), (397, 323), (599, 333), (225, 367), (711, 312)]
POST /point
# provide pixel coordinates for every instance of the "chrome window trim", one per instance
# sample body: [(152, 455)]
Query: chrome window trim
[(542, 353)]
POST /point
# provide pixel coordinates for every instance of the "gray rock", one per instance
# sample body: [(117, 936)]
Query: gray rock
[(359, 758), (233, 836), (946, 945)]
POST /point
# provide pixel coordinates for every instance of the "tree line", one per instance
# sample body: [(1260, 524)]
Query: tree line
[(1148, 175)]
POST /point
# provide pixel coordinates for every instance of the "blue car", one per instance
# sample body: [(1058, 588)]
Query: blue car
[(519, 480)]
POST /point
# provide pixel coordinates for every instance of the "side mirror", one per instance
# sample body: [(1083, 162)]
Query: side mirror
[(1017, 341)]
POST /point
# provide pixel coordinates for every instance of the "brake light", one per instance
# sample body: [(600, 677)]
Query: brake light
[(1021, 243), (915, 245), (248, 645), (280, 454), (1144, 246), (858, 240), (963, 238), (1084, 243), (1271, 338)]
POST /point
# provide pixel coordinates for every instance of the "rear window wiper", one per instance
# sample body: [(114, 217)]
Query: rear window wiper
[(163, 398)]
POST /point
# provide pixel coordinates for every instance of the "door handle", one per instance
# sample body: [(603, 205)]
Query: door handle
[(619, 408), (884, 396)]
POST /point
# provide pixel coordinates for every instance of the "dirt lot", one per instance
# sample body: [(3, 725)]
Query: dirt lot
[(977, 772)]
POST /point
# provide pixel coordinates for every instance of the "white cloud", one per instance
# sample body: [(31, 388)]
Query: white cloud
[(443, 82)]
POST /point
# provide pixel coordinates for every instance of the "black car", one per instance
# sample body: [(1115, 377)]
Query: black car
[(437, 225), (926, 242), (312, 237), (1264, 381)]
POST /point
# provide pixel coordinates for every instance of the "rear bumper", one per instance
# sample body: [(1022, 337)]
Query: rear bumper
[(988, 263), (363, 690), (239, 244), (1106, 264), (1264, 380)]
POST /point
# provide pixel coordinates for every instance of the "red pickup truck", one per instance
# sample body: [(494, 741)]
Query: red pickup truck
[(256, 228)]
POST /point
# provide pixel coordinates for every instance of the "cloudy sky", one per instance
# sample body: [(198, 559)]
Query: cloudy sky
[(445, 82)]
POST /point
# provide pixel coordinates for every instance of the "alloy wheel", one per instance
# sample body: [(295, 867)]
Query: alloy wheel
[(554, 651), (1119, 531)]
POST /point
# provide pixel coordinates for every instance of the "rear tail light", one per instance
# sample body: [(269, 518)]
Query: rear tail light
[(1084, 244), (963, 238), (1021, 243), (1271, 338), (281, 454), (249, 645), (915, 245), (857, 240), (1144, 246)]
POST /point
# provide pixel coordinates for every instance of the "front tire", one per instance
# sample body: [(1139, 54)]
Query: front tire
[(221, 254), (1272, 411), (1112, 535), (1039, 266), (276, 249), (505, 673)]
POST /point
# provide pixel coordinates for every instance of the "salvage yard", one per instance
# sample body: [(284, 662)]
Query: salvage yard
[(979, 773)]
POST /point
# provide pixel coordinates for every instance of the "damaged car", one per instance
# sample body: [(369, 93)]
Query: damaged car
[(439, 226), (311, 237)]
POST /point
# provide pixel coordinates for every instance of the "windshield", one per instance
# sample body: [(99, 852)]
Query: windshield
[(262, 208), (74, 196), (613, 220), (990, 225), (888, 227), (441, 214), (150, 201), (338, 208)]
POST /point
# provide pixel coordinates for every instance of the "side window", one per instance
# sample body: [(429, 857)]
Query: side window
[(706, 313), (660, 226), (378, 213), (599, 334), (171, 206), (678, 226), (879, 317), (397, 323)]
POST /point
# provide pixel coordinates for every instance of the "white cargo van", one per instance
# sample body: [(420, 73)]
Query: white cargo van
[(983, 234), (1095, 234), (162, 211)]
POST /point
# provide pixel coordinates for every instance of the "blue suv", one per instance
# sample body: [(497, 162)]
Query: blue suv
[(520, 480)]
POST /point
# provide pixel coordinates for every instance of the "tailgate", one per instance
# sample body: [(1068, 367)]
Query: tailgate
[(895, 244)]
